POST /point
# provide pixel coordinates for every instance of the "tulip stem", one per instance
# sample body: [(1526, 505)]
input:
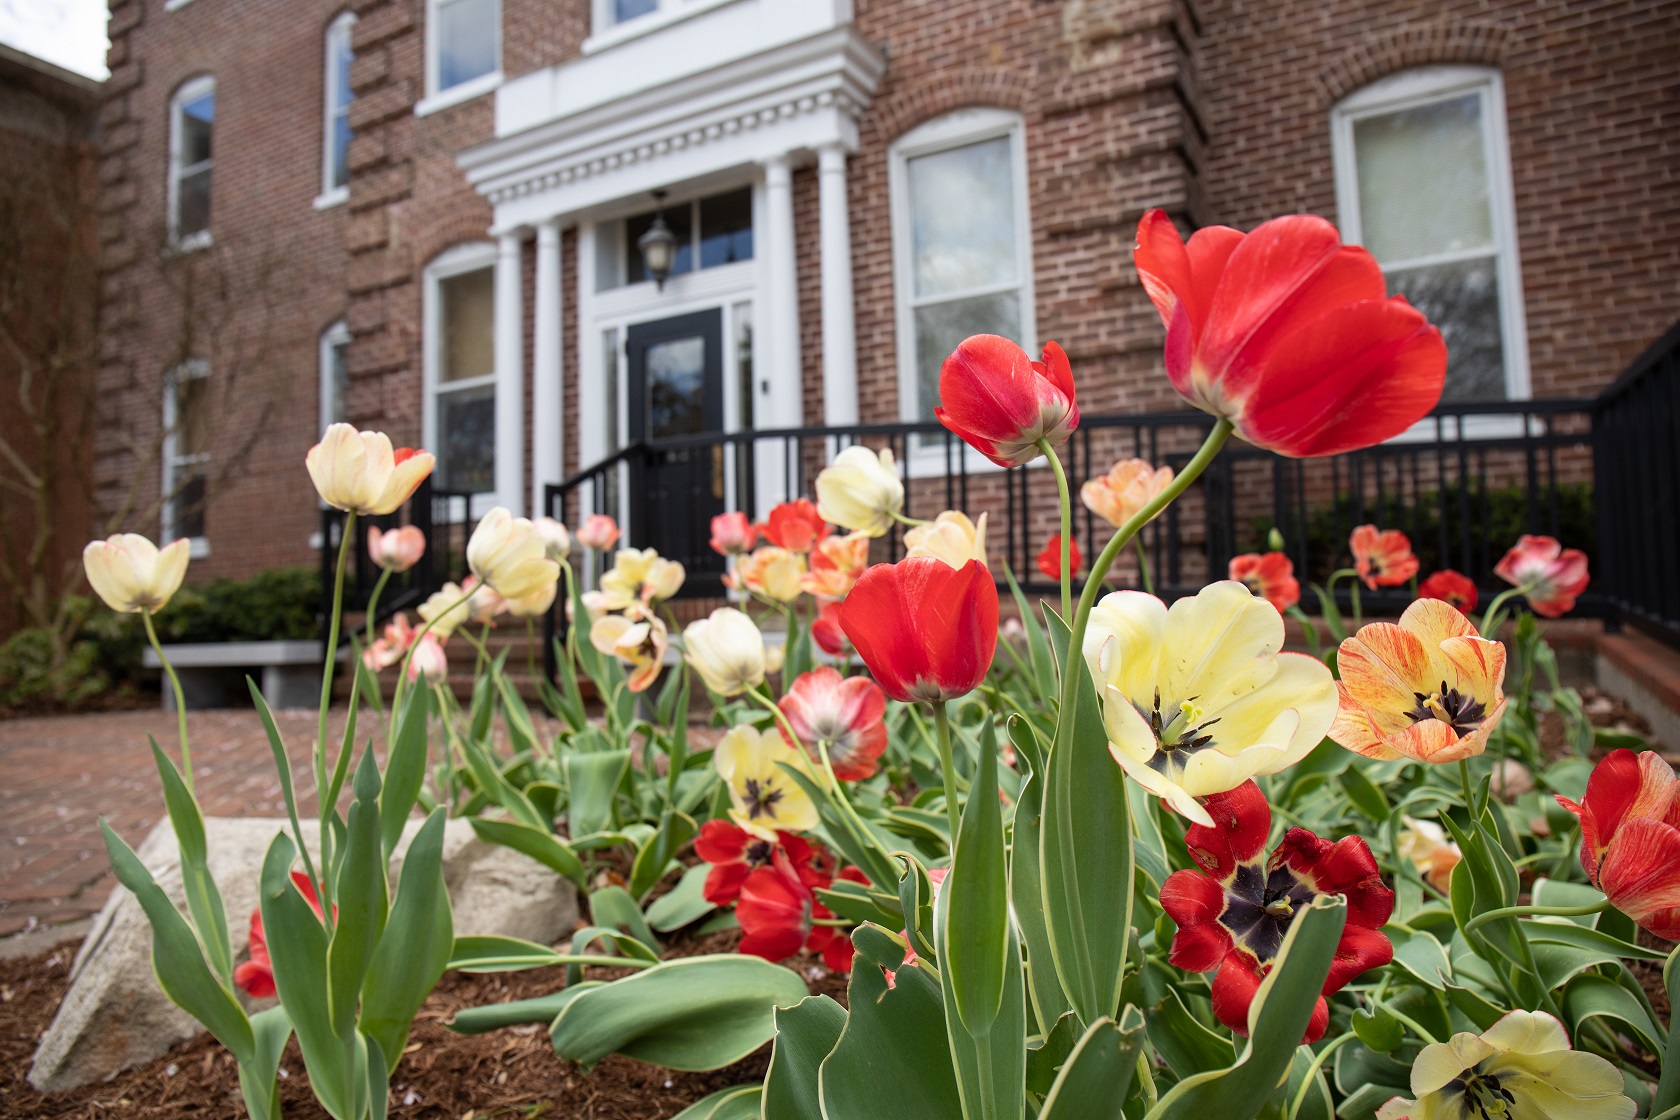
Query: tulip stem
[(328, 662), (1406, 1020), (1066, 500), (1143, 565), (911, 522), (414, 644), (373, 602), (1312, 1071), (948, 766), (1122, 536), (1480, 920), (180, 699), (1490, 619)]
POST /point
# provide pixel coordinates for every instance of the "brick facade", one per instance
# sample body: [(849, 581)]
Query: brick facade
[(1217, 110)]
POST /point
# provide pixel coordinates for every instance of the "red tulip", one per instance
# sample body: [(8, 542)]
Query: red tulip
[(1383, 558), (776, 910), (732, 533), (845, 713), (825, 630), (1270, 575), (926, 630), (1551, 576), (1450, 587), (735, 853), (1289, 334), (1002, 403), (1050, 560), (1630, 837), (795, 526), (1232, 914), (256, 976)]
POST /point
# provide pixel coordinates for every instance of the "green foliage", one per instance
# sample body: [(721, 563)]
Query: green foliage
[(277, 604), (29, 679)]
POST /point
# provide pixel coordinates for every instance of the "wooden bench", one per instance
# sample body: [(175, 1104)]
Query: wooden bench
[(213, 673)]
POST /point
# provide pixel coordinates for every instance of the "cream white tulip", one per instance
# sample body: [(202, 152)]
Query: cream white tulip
[(508, 553), (447, 609), (727, 650), (534, 605), (950, 537), (861, 491), (360, 471), (132, 574), (664, 579), (556, 538)]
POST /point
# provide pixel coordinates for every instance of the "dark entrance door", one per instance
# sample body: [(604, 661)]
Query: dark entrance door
[(676, 390)]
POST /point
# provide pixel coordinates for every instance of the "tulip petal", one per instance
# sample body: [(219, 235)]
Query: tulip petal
[(1641, 870)]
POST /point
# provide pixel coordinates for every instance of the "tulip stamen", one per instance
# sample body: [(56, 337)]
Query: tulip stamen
[(1450, 706), (761, 799), (1484, 1096)]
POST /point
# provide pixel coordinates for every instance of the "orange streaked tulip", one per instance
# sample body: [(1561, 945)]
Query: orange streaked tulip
[(1270, 575), (361, 472), (1630, 837), (836, 564), (1128, 486)]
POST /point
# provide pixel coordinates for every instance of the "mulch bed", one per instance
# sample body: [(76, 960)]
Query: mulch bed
[(509, 1073)]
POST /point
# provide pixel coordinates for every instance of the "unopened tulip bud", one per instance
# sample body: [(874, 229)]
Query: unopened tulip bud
[(861, 491), (598, 532), (429, 661), (1274, 540), (554, 536), (396, 550), (727, 650)]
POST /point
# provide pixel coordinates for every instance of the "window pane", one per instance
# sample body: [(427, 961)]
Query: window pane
[(1423, 181), (467, 31), (338, 380), (469, 309), (342, 56), (940, 327), (198, 117), (726, 233), (340, 151), (676, 387), (192, 416), (1462, 299), (466, 422), (962, 218), (680, 219), (186, 511), (192, 203), (630, 9)]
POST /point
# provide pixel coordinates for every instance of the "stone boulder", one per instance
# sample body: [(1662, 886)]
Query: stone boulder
[(114, 1016)]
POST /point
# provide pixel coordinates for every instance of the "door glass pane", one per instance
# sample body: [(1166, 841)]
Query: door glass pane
[(1423, 181), (676, 387), (630, 9), (467, 31), (469, 308), (466, 421), (962, 218), (609, 377), (1462, 299), (192, 202), (941, 326), (726, 233), (744, 364), (198, 117), (680, 220)]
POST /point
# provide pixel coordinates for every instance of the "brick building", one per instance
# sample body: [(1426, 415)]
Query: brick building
[(425, 215)]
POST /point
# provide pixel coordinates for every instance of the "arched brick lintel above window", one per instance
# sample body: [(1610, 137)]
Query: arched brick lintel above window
[(1392, 50)]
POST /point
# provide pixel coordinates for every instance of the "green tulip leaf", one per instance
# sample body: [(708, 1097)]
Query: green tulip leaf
[(675, 831), (743, 1102), (1097, 1077), (540, 844), (683, 904), (259, 1080), (414, 951), (806, 1034), (592, 778), (976, 900), (514, 1013), (405, 767), (204, 901)]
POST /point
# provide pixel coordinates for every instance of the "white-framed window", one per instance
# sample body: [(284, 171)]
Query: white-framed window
[(1423, 181), (463, 51), (711, 232), (962, 243), (460, 367), (186, 453), (613, 13), (335, 124), (192, 120), (614, 21), (335, 373)]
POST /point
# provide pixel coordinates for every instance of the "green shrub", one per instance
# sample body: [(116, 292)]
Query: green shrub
[(279, 603), (28, 679)]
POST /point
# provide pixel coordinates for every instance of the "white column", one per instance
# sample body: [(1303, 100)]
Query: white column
[(780, 368), (510, 376), (839, 335), (548, 430)]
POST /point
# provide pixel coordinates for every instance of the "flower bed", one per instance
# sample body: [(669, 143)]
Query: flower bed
[(1133, 858)]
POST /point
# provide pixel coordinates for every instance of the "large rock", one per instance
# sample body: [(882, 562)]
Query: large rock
[(115, 1016)]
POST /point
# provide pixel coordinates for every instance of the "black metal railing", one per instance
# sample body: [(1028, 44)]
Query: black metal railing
[(1636, 474)]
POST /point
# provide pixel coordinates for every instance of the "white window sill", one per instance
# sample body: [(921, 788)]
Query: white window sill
[(645, 25), (171, 5), (455, 95), (326, 200), (191, 243), (1451, 429), (198, 547)]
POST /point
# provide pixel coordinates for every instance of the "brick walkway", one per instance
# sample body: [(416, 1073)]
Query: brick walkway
[(61, 774)]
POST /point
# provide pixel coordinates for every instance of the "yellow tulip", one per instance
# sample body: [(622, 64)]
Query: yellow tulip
[(132, 574), (664, 579), (763, 798), (508, 553), (447, 609), (1197, 698), (727, 650), (861, 491), (361, 472), (640, 642), (950, 537)]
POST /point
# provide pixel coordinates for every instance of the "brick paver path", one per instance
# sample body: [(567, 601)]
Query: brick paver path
[(59, 775)]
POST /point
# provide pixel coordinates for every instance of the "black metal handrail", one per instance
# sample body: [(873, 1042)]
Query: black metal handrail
[(1636, 472)]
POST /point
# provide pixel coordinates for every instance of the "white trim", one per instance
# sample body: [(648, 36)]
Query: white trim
[(609, 33), (193, 368), (510, 373), (439, 98), (173, 5), (1423, 86), (188, 91), (339, 36), (548, 420), (839, 330), (471, 256), (953, 130)]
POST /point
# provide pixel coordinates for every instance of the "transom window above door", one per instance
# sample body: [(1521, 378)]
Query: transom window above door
[(710, 232), (1423, 181)]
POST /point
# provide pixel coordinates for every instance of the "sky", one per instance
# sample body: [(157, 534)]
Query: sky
[(70, 33)]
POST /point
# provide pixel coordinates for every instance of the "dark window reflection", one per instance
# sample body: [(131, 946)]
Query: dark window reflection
[(680, 220), (467, 425), (1462, 298), (676, 380), (726, 233)]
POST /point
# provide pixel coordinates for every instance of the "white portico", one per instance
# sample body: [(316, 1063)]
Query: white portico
[(714, 102)]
